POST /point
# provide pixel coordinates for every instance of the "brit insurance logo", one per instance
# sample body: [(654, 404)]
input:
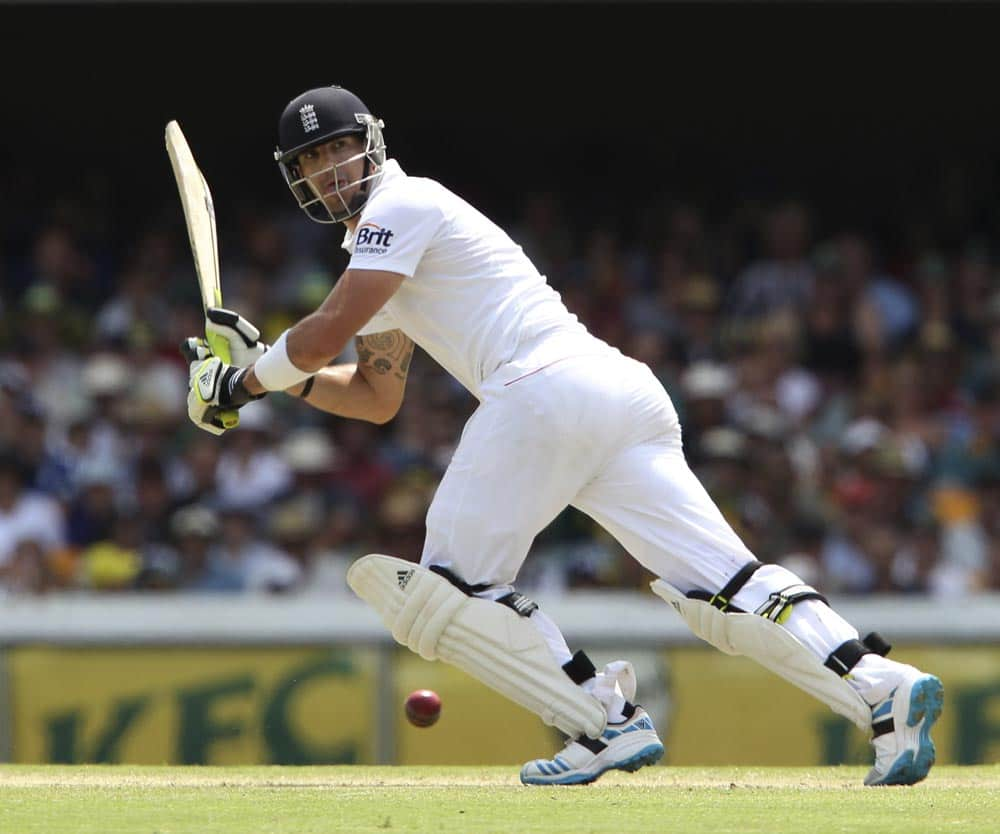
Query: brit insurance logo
[(372, 239), (309, 120)]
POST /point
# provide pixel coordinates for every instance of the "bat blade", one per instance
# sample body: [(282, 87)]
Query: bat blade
[(199, 216)]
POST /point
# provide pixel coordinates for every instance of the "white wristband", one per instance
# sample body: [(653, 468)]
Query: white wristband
[(275, 371)]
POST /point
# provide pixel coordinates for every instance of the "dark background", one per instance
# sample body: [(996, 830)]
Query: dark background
[(869, 112)]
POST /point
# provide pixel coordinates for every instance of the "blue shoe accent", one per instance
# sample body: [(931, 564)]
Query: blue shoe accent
[(649, 755), (926, 701), (885, 709), (628, 746)]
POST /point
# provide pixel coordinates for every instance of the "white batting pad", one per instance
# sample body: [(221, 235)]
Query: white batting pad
[(489, 641), (770, 645)]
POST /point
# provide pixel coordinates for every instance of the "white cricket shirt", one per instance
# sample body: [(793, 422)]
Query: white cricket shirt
[(471, 299)]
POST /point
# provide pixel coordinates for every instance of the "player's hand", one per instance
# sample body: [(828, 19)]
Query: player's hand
[(215, 389), (245, 346)]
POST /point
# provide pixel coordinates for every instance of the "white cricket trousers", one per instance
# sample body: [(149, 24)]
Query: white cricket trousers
[(601, 434), (595, 432)]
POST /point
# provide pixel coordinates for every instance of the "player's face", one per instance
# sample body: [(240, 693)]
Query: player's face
[(333, 170)]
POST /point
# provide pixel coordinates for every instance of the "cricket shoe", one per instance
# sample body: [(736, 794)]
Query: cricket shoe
[(628, 745), (901, 723)]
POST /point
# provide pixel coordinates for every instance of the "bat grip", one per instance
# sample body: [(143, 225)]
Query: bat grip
[(220, 348)]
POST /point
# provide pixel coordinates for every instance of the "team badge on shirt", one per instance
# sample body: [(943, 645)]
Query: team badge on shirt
[(372, 239)]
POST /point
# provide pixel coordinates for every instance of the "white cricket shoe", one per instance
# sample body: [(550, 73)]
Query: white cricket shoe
[(902, 721), (628, 745)]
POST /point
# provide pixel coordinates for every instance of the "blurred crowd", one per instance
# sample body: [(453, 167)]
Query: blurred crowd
[(840, 403)]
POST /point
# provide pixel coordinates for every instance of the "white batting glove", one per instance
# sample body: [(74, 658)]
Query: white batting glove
[(245, 346), (215, 389)]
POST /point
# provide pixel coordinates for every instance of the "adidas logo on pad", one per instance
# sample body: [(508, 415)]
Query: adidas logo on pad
[(403, 578)]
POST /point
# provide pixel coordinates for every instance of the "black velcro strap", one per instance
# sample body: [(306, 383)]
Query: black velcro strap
[(877, 644), (521, 604), (464, 587), (579, 668), (628, 710), (846, 656), (780, 602), (594, 745), (880, 728), (722, 599)]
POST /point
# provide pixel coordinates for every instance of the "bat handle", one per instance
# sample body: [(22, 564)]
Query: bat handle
[(220, 347)]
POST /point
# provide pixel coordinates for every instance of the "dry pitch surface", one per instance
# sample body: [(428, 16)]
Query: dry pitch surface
[(315, 800)]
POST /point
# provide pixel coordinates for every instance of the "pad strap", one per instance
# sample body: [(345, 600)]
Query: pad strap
[(778, 605), (847, 655), (523, 605), (722, 599), (464, 587), (579, 668)]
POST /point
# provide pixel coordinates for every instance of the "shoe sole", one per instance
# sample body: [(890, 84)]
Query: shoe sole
[(648, 755), (926, 702)]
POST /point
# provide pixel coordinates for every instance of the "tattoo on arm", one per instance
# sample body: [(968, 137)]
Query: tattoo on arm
[(384, 341), (385, 352)]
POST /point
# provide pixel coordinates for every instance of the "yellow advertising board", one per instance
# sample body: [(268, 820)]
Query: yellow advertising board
[(728, 711), (192, 706), (295, 705), (477, 725)]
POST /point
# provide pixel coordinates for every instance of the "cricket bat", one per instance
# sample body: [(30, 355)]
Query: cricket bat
[(199, 214)]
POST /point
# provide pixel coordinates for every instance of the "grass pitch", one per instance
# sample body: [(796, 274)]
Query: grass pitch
[(464, 800)]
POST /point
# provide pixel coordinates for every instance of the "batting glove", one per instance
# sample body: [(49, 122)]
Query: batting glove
[(245, 346), (215, 389)]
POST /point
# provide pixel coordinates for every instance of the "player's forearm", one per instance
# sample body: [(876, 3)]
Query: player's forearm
[(341, 390), (316, 340), (309, 346)]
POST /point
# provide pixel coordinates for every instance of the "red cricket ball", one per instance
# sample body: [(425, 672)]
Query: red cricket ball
[(423, 707)]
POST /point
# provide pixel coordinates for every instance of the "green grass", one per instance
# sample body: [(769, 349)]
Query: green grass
[(463, 800)]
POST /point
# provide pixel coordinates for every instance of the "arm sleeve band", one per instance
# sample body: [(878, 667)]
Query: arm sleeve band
[(275, 371)]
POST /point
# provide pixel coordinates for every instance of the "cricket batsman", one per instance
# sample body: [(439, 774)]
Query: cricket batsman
[(563, 419)]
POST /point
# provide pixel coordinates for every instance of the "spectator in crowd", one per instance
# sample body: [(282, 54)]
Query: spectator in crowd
[(25, 514), (251, 472), (783, 277), (26, 570), (704, 403), (839, 401), (196, 563), (94, 508), (249, 561)]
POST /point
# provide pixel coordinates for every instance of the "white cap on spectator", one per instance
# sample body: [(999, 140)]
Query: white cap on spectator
[(862, 435), (724, 442), (708, 380), (309, 450), (194, 520), (105, 374), (295, 518), (765, 421), (256, 416), (97, 471)]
